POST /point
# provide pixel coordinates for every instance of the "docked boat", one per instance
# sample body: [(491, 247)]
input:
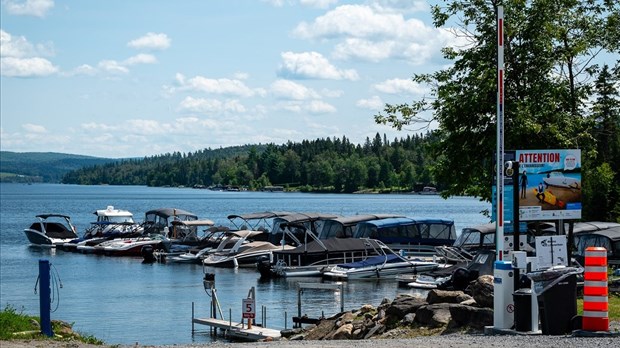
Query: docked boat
[(132, 246), (417, 237), (159, 221), (243, 253), (558, 179), (607, 237), (333, 245), (456, 276), (386, 264), (258, 221), (110, 223), (50, 230), (213, 236), (482, 237)]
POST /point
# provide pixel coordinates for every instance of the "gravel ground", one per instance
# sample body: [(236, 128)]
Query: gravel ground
[(452, 341)]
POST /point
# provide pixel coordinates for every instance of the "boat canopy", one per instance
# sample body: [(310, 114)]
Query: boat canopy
[(259, 215), (194, 223), (429, 231), (344, 226), (47, 216), (171, 212)]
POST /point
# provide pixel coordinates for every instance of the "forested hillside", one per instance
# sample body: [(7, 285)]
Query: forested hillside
[(332, 165), (42, 166)]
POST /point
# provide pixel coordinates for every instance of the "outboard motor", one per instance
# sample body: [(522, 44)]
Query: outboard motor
[(264, 266), (148, 254)]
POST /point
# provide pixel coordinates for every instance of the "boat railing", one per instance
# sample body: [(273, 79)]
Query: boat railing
[(453, 254)]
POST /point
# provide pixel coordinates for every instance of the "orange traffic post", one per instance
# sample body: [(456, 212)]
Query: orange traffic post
[(595, 291)]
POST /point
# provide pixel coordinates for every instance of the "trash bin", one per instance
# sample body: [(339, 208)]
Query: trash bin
[(523, 309), (556, 288)]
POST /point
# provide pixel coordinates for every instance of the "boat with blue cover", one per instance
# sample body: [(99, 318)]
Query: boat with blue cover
[(415, 236)]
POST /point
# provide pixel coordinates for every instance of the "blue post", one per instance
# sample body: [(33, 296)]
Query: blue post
[(45, 297)]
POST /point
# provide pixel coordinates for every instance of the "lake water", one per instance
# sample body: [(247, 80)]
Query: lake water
[(123, 301)]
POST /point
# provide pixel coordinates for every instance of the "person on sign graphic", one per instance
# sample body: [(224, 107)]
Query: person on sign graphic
[(523, 184), (540, 195)]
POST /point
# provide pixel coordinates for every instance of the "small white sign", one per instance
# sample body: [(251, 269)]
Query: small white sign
[(551, 251), (248, 308)]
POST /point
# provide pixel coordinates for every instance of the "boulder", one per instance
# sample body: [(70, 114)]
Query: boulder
[(435, 315), (376, 330), (402, 306), (343, 333), (443, 296), (367, 308), (482, 291), (323, 328), (470, 316)]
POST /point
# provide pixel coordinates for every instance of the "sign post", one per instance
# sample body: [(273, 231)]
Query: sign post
[(248, 308)]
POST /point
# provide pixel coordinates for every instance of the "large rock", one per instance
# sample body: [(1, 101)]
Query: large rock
[(435, 315), (471, 316), (343, 333), (482, 291), (323, 329), (404, 305), (443, 296)]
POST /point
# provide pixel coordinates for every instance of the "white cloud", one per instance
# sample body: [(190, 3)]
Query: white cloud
[(312, 107), (26, 67), (34, 128), (375, 33), (285, 89), (312, 65), (151, 41), (215, 86), (320, 107), (37, 8), (19, 58), (208, 106), (365, 49), (372, 103), (83, 69), (352, 21), (140, 59), (112, 67), (400, 86)]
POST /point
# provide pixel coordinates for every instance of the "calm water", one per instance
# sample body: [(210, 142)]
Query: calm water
[(123, 301)]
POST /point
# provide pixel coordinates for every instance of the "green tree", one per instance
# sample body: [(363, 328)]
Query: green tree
[(550, 47)]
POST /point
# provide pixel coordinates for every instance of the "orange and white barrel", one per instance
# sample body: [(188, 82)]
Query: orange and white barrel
[(595, 290)]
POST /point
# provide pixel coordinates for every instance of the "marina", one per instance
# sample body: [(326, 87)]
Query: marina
[(123, 300)]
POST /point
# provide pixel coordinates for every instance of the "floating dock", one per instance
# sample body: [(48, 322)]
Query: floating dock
[(239, 330)]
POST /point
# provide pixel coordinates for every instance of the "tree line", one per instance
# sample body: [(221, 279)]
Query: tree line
[(325, 165)]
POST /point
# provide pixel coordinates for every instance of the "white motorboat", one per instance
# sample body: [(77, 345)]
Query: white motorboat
[(559, 180), (387, 264), (51, 230), (110, 223), (242, 253)]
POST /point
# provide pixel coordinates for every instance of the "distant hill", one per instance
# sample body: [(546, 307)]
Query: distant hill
[(43, 166)]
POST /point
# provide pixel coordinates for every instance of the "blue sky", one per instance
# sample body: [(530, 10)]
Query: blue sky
[(133, 78)]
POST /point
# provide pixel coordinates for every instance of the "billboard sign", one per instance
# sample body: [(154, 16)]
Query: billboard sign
[(549, 184)]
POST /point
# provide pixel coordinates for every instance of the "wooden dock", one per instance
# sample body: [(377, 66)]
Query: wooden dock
[(238, 330)]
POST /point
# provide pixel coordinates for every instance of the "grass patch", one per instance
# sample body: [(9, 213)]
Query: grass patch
[(17, 325)]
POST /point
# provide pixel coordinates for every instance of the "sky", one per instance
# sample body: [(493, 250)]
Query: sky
[(138, 78)]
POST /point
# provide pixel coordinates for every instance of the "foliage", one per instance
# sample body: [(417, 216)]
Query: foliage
[(322, 165), (550, 51)]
